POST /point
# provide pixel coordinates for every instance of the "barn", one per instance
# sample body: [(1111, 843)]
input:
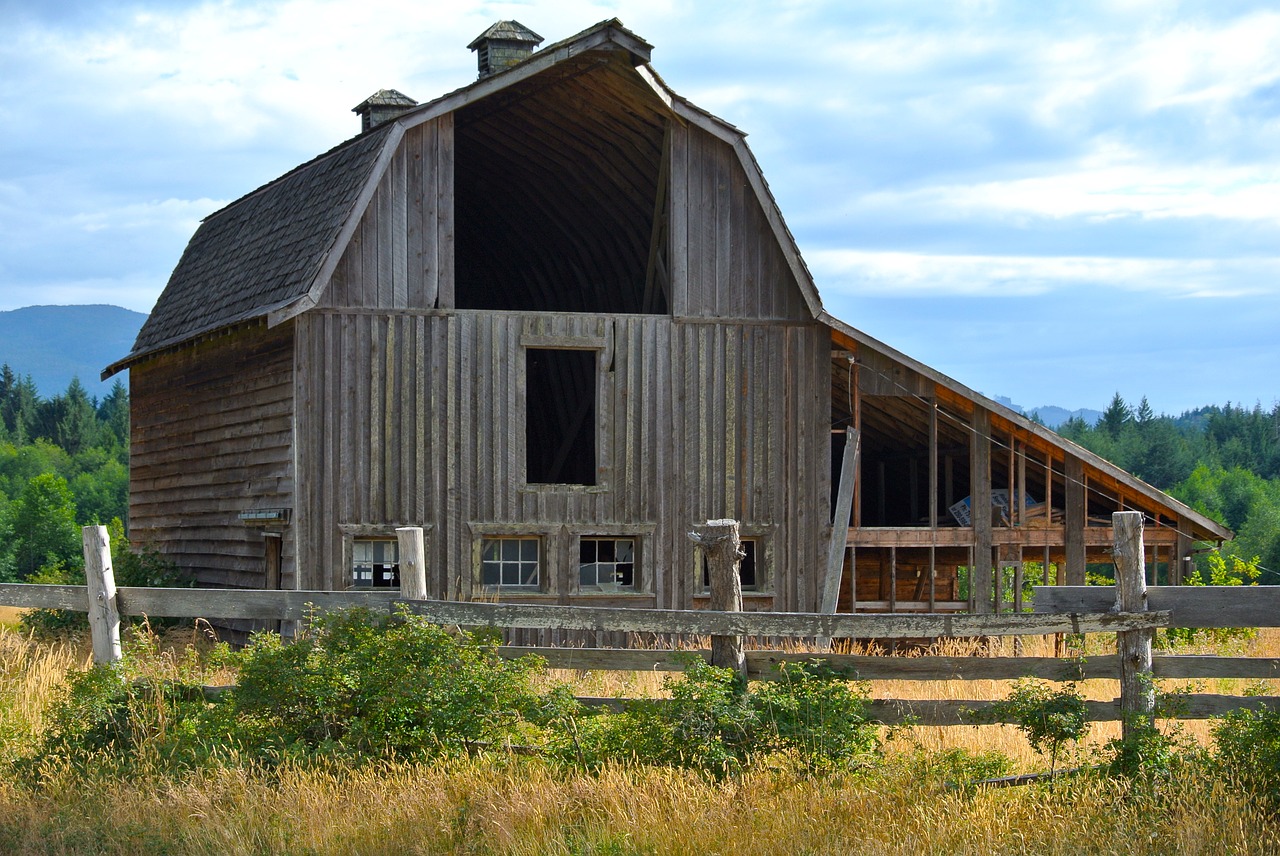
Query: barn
[(555, 318)]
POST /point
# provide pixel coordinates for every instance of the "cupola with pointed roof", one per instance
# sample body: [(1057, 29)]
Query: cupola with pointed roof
[(382, 106), (503, 45)]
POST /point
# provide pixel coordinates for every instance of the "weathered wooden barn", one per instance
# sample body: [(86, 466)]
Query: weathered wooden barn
[(555, 318)]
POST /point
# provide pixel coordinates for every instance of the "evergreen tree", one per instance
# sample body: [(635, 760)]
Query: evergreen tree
[(113, 414), (1116, 416), (19, 405)]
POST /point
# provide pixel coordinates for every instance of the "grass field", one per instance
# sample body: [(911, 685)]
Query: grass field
[(508, 804)]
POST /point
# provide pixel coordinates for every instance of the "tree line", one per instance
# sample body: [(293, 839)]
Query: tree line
[(1222, 461), (64, 463)]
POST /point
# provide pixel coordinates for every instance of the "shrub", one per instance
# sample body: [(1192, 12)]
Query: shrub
[(361, 684), (717, 724), (1048, 717), (1248, 750)]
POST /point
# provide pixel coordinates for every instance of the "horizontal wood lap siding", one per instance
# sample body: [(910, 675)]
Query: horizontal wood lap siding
[(726, 261), (212, 431), (403, 244), (697, 421)]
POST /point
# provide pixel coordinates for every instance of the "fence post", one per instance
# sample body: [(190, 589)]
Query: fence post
[(104, 617), (719, 540), (1137, 692), (413, 566)]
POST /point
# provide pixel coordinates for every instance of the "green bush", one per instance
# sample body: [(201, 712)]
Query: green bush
[(1247, 748), (716, 723), (1048, 717), (359, 684)]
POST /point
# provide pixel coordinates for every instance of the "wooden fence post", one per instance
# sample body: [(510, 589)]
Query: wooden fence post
[(413, 566), (104, 618), (719, 540), (1137, 690)]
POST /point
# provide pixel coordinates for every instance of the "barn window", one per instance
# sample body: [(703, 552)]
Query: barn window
[(375, 564), (606, 564), (560, 416), (746, 569), (510, 562)]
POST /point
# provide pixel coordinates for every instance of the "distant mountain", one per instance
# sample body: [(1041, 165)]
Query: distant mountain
[(56, 343), (1051, 415)]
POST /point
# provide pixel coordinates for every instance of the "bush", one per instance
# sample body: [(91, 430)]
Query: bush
[(717, 724), (1048, 717), (1248, 750), (359, 684)]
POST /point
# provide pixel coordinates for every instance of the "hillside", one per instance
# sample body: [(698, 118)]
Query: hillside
[(55, 343)]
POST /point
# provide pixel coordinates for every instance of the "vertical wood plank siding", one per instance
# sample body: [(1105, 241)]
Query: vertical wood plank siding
[(212, 436), (403, 246), (725, 261), (719, 439), (415, 413)]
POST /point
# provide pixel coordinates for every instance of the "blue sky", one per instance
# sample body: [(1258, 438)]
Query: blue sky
[(1051, 201)]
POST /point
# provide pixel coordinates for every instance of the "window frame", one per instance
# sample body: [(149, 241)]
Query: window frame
[(602, 345), (763, 538), (550, 545), (642, 572), (353, 532)]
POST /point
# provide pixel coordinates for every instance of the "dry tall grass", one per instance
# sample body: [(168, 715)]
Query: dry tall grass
[(515, 805)]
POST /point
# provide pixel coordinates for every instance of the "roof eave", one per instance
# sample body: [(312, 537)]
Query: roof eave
[(1147, 491)]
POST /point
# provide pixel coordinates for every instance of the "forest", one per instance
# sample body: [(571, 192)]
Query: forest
[(64, 463)]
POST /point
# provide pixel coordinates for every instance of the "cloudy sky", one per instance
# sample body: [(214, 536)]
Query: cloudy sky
[(1051, 201)]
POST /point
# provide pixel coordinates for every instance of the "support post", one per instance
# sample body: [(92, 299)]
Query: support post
[(413, 566), (840, 523), (104, 617), (723, 548), (1137, 692)]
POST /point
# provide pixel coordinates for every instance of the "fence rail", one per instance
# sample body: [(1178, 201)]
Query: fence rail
[(1058, 610)]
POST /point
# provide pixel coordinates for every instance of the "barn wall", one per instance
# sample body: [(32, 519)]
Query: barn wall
[(212, 430), (401, 255), (416, 418), (725, 261)]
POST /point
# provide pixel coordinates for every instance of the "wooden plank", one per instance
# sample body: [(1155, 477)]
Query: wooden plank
[(31, 596), (1189, 606), (1209, 666), (977, 711), (705, 622), (765, 665), (980, 571), (246, 603), (678, 208), (840, 524), (1075, 519)]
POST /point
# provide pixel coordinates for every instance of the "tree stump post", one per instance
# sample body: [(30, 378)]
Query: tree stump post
[(1137, 690), (719, 540), (413, 565), (104, 616)]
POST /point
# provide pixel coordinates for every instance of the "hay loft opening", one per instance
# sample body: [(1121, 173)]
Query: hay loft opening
[(557, 185)]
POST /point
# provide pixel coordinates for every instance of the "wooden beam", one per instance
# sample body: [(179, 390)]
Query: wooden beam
[(840, 524), (980, 574), (1189, 606), (792, 624), (1075, 520)]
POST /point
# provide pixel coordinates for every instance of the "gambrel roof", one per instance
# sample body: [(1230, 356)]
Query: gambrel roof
[(268, 254)]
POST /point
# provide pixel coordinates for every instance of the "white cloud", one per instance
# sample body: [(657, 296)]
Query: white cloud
[(899, 274)]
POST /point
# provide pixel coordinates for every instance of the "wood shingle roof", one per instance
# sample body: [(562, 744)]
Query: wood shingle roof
[(261, 251)]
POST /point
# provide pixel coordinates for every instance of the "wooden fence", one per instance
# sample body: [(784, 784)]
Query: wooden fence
[(1075, 610)]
